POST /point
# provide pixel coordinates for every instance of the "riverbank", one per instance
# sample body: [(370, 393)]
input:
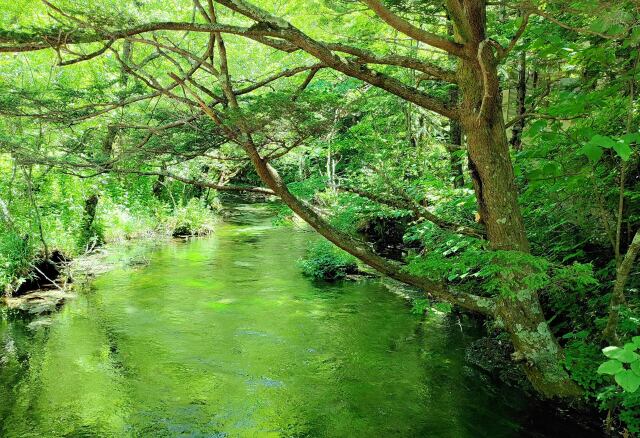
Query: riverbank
[(48, 278), (75, 276)]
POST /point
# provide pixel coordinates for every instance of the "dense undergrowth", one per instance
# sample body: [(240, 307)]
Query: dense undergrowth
[(61, 224)]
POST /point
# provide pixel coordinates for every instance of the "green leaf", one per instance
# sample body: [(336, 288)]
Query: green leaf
[(536, 127), (623, 150), (517, 22), (635, 36), (628, 356), (636, 341), (635, 367), (615, 29), (598, 25), (603, 141), (633, 137), (620, 354), (628, 380), (551, 169), (611, 367), (592, 151), (610, 351)]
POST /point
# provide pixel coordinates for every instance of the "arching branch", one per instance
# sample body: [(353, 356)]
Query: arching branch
[(355, 247)]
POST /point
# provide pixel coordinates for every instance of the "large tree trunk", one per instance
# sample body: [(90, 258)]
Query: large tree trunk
[(520, 313), (482, 120)]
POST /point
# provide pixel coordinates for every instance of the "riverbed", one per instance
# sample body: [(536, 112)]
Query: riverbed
[(223, 337)]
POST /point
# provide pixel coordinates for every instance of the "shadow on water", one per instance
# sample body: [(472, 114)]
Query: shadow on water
[(223, 337)]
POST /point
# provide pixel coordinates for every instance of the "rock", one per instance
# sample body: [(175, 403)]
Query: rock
[(494, 356)]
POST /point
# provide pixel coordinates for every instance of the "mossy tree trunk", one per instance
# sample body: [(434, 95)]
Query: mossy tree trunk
[(492, 173)]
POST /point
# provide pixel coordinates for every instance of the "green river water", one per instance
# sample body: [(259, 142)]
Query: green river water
[(223, 337)]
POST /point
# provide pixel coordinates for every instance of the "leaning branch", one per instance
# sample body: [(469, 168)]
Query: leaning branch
[(269, 175)]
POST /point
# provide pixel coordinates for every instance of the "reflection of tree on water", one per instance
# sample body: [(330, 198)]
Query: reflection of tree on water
[(16, 341), (461, 400), (71, 386)]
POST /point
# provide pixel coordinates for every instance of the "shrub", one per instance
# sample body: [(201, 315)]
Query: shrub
[(325, 261), (623, 365), (122, 224), (194, 219), (91, 237), (16, 254)]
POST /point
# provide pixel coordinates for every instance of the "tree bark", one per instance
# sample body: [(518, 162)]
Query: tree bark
[(88, 217), (482, 120)]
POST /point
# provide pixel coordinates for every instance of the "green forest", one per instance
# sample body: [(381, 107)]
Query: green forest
[(319, 218)]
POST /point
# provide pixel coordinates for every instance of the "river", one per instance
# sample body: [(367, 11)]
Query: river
[(223, 337)]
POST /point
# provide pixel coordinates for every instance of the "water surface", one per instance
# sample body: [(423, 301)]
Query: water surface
[(223, 337)]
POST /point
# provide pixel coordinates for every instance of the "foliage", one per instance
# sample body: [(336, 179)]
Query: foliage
[(194, 219), (623, 365), (325, 261), (16, 254)]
